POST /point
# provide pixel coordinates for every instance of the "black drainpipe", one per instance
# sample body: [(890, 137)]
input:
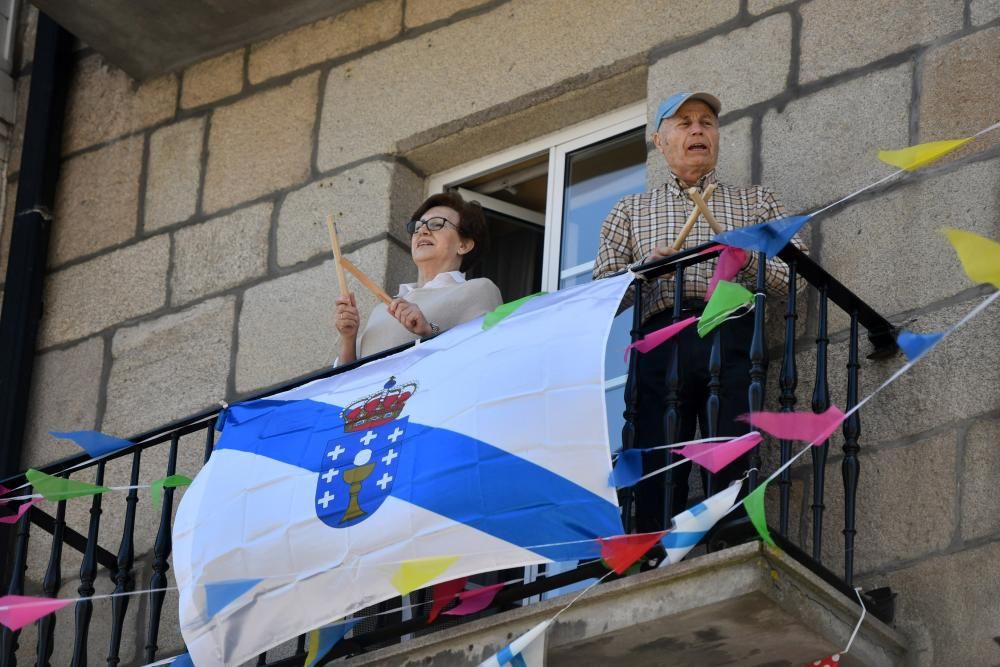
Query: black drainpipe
[(29, 240)]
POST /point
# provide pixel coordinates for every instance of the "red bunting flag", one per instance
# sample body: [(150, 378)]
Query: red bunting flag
[(829, 661), (444, 593), (805, 426), (621, 551), (474, 600), (17, 611)]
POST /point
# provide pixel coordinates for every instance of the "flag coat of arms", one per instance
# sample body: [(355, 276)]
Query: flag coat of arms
[(490, 446)]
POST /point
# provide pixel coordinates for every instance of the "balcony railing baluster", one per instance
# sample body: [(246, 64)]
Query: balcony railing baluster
[(758, 362), (788, 381), (671, 418), (126, 559), (209, 440), (712, 404), (50, 586), (631, 403), (850, 467), (88, 574), (161, 551), (16, 587), (820, 403)]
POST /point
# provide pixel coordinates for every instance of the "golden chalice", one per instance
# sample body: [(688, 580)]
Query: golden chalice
[(355, 476)]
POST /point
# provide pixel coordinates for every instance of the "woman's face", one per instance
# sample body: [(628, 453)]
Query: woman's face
[(443, 247)]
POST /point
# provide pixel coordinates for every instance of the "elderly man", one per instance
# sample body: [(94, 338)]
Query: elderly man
[(641, 228)]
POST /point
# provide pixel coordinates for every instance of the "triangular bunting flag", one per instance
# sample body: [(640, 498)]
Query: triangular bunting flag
[(323, 639), (60, 488), (475, 600), (914, 157), (16, 514), (444, 593), (717, 455), (621, 551), (505, 310), (915, 345), (529, 647), (94, 443), (413, 574), (628, 468), (654, 339), (691, 525), (173, 481), (727, 299), (183, 660), (828, 661), (769, 237), (730, 262), (979, 255), (17, 611), (805, 426), (754, 504), (220, 594)]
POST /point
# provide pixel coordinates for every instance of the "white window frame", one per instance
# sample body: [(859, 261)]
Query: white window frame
[(557, 145)]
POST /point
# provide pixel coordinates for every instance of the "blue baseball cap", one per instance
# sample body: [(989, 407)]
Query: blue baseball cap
[(669, 106)]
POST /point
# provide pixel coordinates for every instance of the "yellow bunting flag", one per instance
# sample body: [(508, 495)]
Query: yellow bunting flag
[(917, 156), (979, 255), (413, 574)]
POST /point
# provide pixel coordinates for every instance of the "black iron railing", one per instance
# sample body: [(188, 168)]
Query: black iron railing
[(196, 437)]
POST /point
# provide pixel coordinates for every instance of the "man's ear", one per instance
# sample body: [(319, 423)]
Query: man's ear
[(657, 140)]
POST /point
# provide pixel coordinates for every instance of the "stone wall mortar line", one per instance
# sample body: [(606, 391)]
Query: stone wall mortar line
[(171, 261), (272, 237), (140, 212), (314, 170), (960, 453), (967, 13), (199, 197), (795, 62), (107, 337), (968, 545), (916, 89), (757, 146), (238, 290), (246, 67), (234, 348)]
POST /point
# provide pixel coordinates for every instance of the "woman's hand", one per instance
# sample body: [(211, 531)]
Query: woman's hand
[(346, 318), (410, 316)]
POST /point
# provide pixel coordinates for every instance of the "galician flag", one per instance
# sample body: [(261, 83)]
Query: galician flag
[(478, 450)]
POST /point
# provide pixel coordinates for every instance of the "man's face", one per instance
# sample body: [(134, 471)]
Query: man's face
[(689, 140)]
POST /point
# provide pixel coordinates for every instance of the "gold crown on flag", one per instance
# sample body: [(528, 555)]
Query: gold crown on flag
[(378, 408)]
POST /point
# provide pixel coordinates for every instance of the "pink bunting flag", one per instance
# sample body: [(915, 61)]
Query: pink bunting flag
[(730, 262), (13, 518), (716, 456), (713, 248), (475, 600), (654, 339), (444, 593), (805, 426), (620, 552), (17, 611)]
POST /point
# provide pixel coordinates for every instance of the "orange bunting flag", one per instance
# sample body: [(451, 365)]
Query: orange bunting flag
[(620, 552), (979, 255), (914, 157), (413, 574)]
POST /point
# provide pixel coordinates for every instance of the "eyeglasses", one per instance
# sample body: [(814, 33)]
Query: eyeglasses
[(433, 224)]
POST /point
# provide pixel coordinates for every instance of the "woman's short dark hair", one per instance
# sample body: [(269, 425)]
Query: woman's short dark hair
[(471, 223)]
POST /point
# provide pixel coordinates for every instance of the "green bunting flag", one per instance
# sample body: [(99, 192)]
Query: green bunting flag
[(727, 298), (60, 488), (173, 481), (505, 310), (754, 504)]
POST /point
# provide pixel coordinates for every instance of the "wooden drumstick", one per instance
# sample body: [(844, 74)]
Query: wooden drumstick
[(337, 258), (700, 204), (689, 224), (366, 281)]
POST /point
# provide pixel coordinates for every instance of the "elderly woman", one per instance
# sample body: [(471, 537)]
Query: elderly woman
[(447, 236)]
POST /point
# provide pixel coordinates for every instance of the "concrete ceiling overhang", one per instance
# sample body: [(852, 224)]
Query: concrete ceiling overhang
[(147, 38)]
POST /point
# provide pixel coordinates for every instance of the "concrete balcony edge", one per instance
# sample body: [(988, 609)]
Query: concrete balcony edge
[(750, 594)]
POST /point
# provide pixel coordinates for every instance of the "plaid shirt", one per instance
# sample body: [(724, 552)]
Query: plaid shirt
[(639, 222)]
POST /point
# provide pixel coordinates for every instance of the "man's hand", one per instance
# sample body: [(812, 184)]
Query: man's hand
[(410, 316), (659, 252), (346, 318)]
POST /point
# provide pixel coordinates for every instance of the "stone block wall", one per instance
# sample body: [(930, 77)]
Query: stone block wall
[(189, 259)]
